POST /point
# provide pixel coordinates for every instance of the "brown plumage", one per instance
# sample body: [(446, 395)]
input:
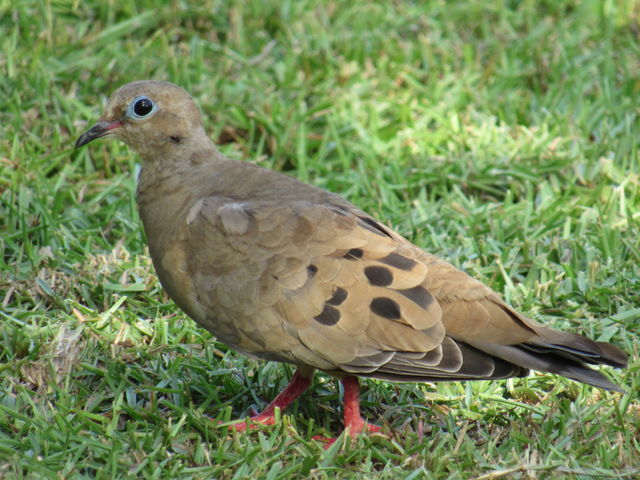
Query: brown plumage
[(285, 271)]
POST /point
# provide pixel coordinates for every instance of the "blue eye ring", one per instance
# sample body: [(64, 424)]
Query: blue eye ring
[(141, 107)]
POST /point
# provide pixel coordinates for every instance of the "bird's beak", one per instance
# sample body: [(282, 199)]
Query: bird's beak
[(100, 129)]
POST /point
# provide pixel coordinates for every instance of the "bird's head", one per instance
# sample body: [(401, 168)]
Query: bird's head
[(149, 116)]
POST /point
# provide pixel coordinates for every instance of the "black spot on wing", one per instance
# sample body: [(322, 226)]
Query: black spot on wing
[(312, 270), (378, 276), (329, 315), (385, 307), (373, 226), (399, 261), (418, 295), (339, 296), (354, 254)]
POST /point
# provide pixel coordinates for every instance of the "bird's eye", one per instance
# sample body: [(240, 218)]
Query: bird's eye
[(141, 107)]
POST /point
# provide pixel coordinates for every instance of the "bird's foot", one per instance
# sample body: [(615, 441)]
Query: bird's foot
[(252, 422), (359, 426), (356, 428), (298, 384)]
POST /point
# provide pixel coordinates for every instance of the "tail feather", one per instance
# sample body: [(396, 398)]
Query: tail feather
[(579, 347), (560, 360)]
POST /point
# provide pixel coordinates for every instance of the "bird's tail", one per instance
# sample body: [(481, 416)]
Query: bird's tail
[(562, 353)]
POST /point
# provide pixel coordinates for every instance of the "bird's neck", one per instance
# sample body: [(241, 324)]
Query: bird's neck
[(168, 187)]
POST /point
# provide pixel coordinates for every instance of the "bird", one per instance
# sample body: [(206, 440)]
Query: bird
[(284, 271)]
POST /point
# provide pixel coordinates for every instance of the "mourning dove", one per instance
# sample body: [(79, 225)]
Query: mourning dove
[(281, 270)]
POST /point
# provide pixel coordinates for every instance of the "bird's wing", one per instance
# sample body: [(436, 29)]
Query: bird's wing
[(326, 285)]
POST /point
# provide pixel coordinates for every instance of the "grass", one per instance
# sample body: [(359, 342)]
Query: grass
[(502, 136)]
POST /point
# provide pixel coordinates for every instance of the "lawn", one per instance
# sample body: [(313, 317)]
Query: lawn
[(502, 136)]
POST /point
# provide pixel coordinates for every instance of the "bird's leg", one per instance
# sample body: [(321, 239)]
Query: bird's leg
[(351, 404), (353, 421), (298, 384)]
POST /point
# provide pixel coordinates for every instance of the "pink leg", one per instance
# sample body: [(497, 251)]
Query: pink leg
[(352, 419), (351, 406), (298, 384)]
